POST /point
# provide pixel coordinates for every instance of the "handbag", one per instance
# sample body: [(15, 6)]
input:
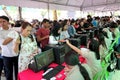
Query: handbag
[(33, 65), (41, 61)]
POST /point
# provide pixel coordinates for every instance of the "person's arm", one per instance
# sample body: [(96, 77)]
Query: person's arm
[(73, 47), (70, 31), (11, 35), (41, 38), (1, 41), (38, 35), (7, 40), (101, 52), (52, 40), (17, 43)]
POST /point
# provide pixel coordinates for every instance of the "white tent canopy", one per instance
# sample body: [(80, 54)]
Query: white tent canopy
[(98, 5)]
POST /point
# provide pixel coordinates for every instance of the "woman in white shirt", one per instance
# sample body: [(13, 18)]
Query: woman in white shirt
[(74, 70), (116, 72), (114, 29), (103, 46), (64, 32), (55, 37), (90, 57)]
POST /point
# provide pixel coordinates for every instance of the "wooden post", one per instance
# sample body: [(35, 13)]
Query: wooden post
[(54, 15)]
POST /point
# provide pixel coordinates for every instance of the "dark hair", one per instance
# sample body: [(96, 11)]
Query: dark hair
[(118, 22), (56, 27), (18, 23), (102, 40), (64, 23), (105, 34), (25, 24), (72, 21), (86, 25), (72, 58), (60, 20), (88, 16), (94, 46), (113, 25), (45, 20), (5, 17), (96, 33)]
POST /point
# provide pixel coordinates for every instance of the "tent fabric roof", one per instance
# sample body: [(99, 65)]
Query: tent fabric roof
[(98, 5)]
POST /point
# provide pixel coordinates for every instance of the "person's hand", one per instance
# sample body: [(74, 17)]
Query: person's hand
[(61, 40), (34, 53), (46, 36), (18, 40), (31, 55), (67, 41)]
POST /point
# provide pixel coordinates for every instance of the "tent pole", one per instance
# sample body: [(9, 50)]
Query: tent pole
[(48, 8), (20, 12)]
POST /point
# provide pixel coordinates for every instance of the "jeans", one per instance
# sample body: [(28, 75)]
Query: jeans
[(10, 63), (1, 65)]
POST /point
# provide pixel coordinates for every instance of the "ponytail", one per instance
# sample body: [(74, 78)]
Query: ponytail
[(71, 58), (84, 72)]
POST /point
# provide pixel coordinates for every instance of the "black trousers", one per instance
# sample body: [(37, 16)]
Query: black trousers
[(1, 66), (10, 63)]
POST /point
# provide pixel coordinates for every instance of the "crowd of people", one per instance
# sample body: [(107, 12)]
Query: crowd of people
[(21, 41)]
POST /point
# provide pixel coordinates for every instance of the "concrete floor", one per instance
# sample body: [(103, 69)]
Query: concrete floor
[(2, 78)]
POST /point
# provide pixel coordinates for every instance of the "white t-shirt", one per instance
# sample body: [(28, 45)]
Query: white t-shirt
[(52, 40), (74, 74), (92, 62), (116, 75), (7, 50)]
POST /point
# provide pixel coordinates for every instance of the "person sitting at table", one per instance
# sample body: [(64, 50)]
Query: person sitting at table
[(116, 68), (71, 28), (56, 37), (89, 55), (74, 70), (64, 32)]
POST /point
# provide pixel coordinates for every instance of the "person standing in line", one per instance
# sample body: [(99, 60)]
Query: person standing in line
[(10, 59), (26, 46), (1, 64)]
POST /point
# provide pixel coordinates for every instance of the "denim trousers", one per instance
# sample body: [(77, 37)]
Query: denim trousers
[(10, 63), (1, 65)]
